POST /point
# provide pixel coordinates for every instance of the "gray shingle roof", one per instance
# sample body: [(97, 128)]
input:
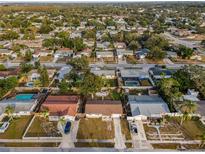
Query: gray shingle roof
[(147, 105)]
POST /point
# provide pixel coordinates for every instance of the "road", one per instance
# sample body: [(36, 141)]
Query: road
[(176, 40), (47, 149)]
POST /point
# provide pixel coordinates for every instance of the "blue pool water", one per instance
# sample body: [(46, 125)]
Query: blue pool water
[(24, 96)]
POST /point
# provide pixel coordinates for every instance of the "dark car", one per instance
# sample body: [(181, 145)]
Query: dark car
[(67, 127), (134, 128)]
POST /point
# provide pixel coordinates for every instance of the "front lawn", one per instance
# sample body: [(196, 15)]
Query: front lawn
[(30, 144), (46, 59), (166, 146), (16, 128), (95, 128), (125, 129), (192, 129), (41, 127), (94, 144)]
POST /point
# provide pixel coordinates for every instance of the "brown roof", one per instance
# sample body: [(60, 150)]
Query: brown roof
[(104, 107), (9, 72), (61, 105)]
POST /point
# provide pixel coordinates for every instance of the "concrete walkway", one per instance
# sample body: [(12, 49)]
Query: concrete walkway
[(119, 140)]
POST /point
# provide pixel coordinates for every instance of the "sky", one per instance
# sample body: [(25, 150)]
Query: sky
[(43, 1)]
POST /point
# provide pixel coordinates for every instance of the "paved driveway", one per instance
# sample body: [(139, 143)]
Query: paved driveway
[(140, 140), (69, 139), (119, 140)]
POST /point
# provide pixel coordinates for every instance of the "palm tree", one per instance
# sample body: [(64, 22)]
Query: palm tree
[(185, 116), (9, 111), (189, 107), (45, 114), (62, 120)]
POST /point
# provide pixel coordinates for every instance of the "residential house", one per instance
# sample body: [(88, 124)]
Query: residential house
[(123, 52), (104, 108), (104, 54), (141, 54), (35, 75), (60, 75), (120, 45), (134, 78), (158, 72), (5, 52), (145, 106), (61, 106), (22, 105), (9, 73), (63, 52), (106, 73)]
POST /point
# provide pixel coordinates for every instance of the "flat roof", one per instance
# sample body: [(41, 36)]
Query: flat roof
[(104, 107), (147, 105)]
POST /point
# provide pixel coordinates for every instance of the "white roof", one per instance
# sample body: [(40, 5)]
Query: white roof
[(133, 73), (147, 105), (103, 72), (124, 52), (63, 71), (104, 53)]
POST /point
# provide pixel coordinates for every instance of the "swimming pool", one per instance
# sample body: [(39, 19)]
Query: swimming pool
[(24, 96)]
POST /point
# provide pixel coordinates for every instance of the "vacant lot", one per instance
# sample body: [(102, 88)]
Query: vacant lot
[(41, 127), (192, 129), (95, 128), (16, 128)]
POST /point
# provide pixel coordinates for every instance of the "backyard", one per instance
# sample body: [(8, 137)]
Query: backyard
[(41, 127), (95, 128), (16, 128)]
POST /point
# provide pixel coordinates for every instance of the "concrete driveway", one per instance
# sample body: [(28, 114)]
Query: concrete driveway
[(119, 140), (68, 139)]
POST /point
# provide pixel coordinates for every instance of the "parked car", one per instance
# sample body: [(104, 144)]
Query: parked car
[(134, 128), (67, 127)]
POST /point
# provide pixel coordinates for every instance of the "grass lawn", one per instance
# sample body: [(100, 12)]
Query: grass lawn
[(46, 58), (125, 129), (41, 127), (166, 146), (145, 82), (176, 145), (16, 128), (131, 60), (111, 82), (192, 129), (95, 128), (128, 145), (149, 129), (29, 144), (94, 144)]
